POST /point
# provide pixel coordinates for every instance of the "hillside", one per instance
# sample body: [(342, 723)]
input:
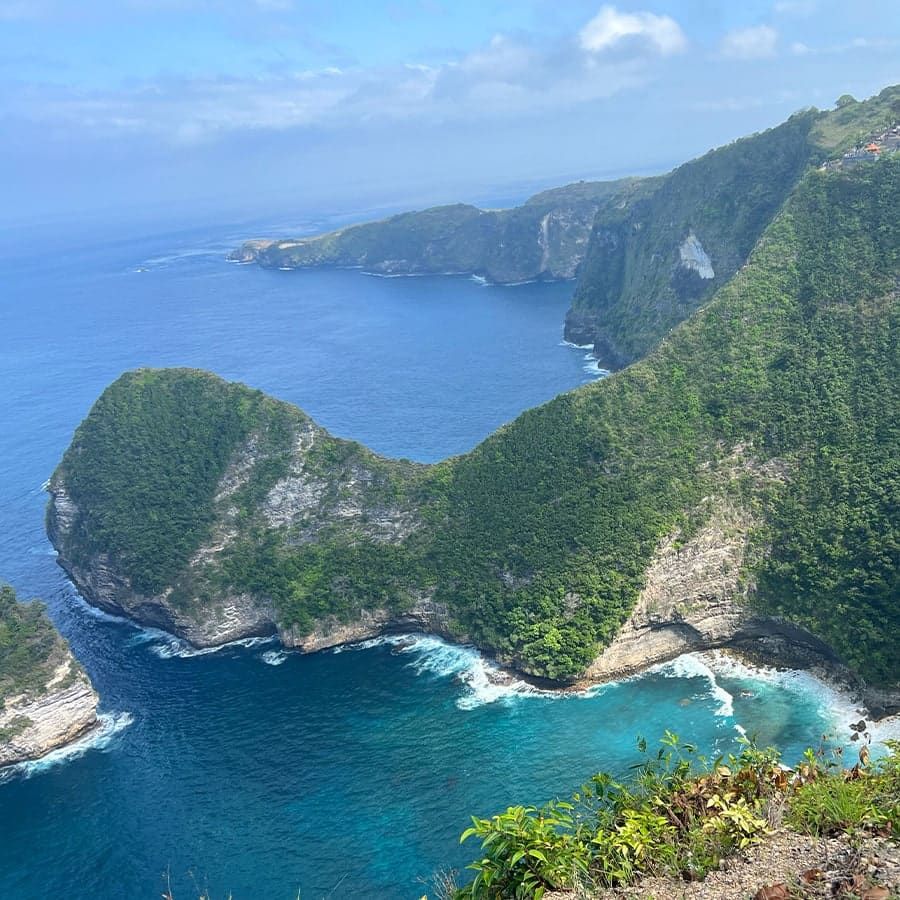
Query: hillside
[(655, 260), (545, 238), (739, 486), (46, 699), (647, 252)]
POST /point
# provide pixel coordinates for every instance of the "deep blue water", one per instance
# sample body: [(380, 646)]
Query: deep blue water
[(258, 772)]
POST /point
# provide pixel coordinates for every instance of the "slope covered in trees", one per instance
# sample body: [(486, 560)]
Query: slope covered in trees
[(544, 238), (536, 544)]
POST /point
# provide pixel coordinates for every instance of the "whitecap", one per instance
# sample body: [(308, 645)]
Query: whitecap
[(94, 611), (99, 738), (692, 665), (482, 680), (167, 646), (273, 657), (592, 366), (565, 343), (836, 703)]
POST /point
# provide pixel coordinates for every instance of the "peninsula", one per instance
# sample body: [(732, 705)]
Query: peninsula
[(736, 487)]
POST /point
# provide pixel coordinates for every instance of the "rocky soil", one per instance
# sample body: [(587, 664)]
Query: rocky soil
[(786, 866)]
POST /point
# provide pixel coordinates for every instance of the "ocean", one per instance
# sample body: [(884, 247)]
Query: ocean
[(256, 773)]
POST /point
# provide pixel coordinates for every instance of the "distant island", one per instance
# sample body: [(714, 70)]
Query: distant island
[(46, 699), (735, 487)]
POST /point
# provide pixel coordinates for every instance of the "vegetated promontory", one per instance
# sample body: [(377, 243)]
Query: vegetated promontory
[(46, 699), (739, 486)]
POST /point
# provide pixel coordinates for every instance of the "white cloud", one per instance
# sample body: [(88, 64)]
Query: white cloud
[(508, 76), (757, 42), (609, 28)]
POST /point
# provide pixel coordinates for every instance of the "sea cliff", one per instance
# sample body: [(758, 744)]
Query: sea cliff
[(46, 699), (735, 487)]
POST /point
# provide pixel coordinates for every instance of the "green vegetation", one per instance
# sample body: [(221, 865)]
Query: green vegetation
[(537, 542), (633, 288), (31, 649), (545, 237), (679, 815), (165, 444)]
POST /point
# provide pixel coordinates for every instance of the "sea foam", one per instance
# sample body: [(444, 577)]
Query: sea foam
[(694, 665), (482, 680), (100, 738)]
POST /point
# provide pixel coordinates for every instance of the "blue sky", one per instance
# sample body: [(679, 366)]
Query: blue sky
[(139, 108)]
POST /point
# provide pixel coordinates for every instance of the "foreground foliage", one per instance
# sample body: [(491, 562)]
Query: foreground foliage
[(679, 815)]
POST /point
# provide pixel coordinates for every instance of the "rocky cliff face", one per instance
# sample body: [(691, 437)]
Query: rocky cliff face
[(545, 238), (33, 724), (695, 598), (307, 501)]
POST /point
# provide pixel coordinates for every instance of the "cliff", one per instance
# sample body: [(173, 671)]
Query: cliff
[(46, 699), (738, 486), (545, 238), (654, 260)]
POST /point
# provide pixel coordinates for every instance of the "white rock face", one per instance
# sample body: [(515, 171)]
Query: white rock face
[(694, 257), (56, 717)]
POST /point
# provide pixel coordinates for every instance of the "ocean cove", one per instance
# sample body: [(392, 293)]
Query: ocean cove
[(262, 771)]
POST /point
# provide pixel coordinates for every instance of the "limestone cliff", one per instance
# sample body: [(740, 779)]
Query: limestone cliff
[(46, 699), (545, 238), (305, 486)]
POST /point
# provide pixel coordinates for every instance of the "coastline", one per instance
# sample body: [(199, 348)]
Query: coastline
[(843, 689), (31, 727)]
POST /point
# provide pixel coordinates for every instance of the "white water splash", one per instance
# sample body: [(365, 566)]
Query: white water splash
[(592, 366), (100, 738), (483, 681), (273, 657), (168, 646), (836, 704), (693, 665), (94, 611)]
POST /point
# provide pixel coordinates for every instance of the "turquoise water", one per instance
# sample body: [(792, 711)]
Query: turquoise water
[(260, 772)]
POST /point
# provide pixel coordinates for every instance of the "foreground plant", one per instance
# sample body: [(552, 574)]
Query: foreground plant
[(680, 815)]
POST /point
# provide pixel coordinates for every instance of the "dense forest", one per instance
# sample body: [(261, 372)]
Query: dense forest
[(30, 647), (538, 540)]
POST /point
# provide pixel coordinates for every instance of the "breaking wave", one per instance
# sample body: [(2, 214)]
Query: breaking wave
[(482, 680), (167, 646), (100, 738), (273, 657), (693, 665)]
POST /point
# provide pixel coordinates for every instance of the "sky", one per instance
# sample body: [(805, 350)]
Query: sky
[(117, 110)]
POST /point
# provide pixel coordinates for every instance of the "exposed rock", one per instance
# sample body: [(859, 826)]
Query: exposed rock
[(696, 595), (695, 258), (31, 726), (425, 615), (780, 859)]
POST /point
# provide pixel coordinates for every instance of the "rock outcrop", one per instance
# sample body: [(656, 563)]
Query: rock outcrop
[(33, 724)]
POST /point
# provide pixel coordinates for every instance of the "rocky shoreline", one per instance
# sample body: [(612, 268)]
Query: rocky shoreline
[(31, 726), (695, 599)]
